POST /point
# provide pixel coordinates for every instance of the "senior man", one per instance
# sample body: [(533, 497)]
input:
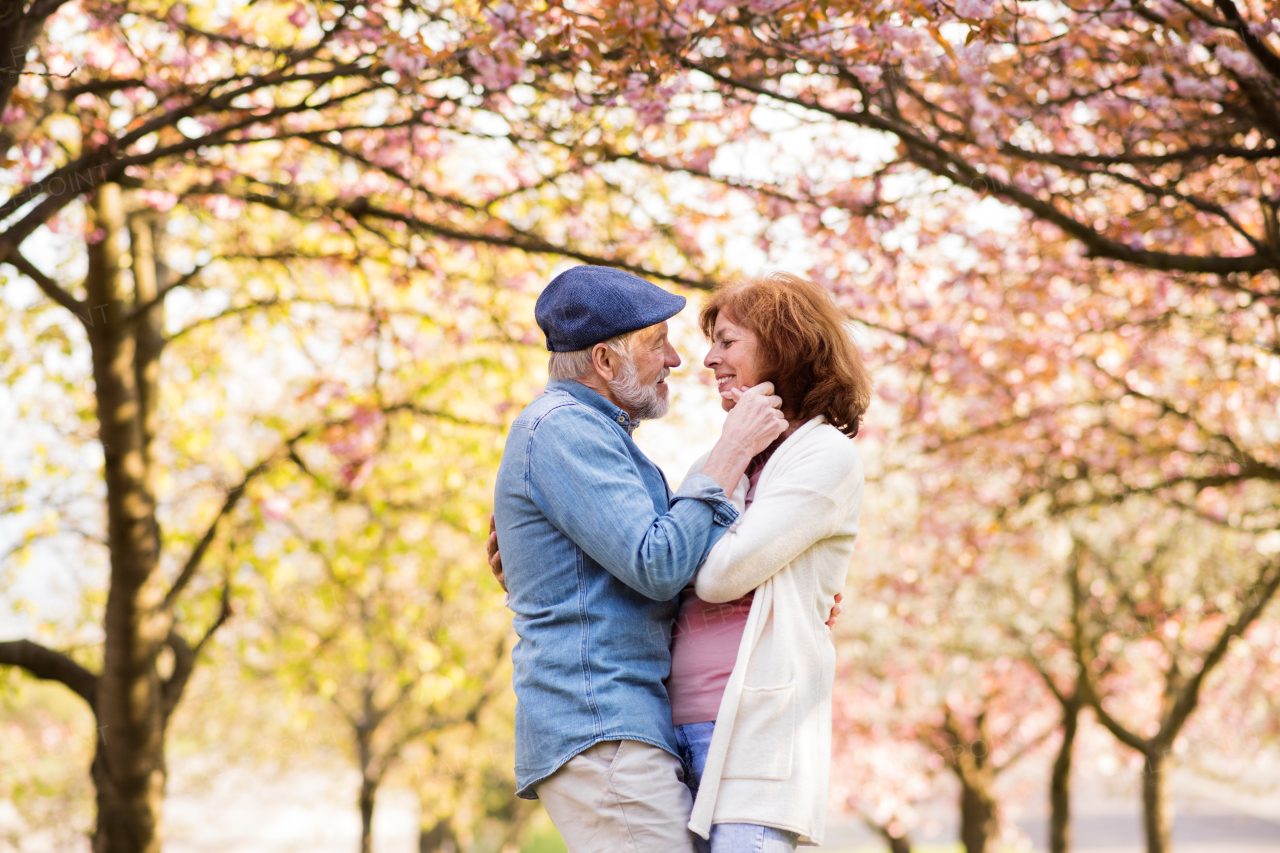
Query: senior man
[(595, 547)]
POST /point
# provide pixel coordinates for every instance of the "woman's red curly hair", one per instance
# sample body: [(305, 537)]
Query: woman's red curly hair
[(803, 345)]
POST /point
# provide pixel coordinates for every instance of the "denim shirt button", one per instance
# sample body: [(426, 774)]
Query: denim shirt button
[(622, 419)]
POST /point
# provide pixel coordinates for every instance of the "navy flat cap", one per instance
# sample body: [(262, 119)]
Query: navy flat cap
[(586, 305)]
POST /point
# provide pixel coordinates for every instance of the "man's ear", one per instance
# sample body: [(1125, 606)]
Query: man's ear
[(605, 362)]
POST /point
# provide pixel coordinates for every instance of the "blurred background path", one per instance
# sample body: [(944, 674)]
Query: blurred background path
[(309, 812)]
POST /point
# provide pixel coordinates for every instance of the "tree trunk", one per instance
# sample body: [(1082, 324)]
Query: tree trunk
[(1157, 818), (437, 839), (129, 768), (1060, 782), (368, 794), (969, 758), (897, 843), (979, 827), (369, 779), (148, 334)]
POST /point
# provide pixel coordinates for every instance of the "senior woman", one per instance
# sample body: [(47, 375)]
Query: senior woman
[(752, 660)]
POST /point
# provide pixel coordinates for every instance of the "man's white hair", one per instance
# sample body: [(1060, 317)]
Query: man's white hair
[(641, 400), (577, 364)]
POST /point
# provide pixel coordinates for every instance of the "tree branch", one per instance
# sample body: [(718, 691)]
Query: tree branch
[(422, 411), (470, 716), (185, 657), (1268, 60), (108, 163), (224, 613), (221, 315), (1190, 695), (1021, 752), (358, 209), (44, 663), (943, 162), (180, 281), (1085, 686), (50, 287), (1062, 698), (287, 450), (233, 496), (184, 663)]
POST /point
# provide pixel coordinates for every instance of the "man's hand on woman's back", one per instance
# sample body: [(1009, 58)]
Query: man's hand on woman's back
[(495, 558), (835, 611)]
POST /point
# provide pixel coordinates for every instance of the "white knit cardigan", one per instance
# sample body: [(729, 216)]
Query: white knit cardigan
[(769, 762)]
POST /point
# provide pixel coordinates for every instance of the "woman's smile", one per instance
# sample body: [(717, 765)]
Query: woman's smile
[(733, 359)]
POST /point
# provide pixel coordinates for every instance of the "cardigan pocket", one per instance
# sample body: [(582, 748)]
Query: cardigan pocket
[(764, 734)]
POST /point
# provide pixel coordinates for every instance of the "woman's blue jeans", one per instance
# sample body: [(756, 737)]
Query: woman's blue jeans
[(694, 740)]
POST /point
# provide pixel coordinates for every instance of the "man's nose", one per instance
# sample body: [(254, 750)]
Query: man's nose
[(673, 357)]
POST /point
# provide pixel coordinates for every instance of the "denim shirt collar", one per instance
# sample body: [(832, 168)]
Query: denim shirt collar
[(596, 400)]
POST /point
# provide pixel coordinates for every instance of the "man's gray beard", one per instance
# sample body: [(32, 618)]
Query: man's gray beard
[(641, 400)]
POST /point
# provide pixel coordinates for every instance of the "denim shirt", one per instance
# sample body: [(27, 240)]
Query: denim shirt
[(595, 548)]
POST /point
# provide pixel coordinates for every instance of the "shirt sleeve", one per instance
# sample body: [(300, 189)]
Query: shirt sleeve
[(581, 476), (800, 506), (739, 496)]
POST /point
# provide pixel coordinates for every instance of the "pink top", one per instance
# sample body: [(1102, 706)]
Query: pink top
[(704, 647)]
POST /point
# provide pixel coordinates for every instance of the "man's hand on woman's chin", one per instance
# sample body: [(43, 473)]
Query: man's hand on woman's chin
[(752, 425), (755, 419)]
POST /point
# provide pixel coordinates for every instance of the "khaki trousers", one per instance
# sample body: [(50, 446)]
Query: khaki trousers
[(619, 796)]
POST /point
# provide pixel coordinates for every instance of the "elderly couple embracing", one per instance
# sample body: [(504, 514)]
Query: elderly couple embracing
[(674, 669)]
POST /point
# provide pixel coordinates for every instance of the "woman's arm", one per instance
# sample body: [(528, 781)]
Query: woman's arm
[(803, 503)]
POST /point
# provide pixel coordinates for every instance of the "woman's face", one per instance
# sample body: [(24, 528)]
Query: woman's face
[(733, 358)]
